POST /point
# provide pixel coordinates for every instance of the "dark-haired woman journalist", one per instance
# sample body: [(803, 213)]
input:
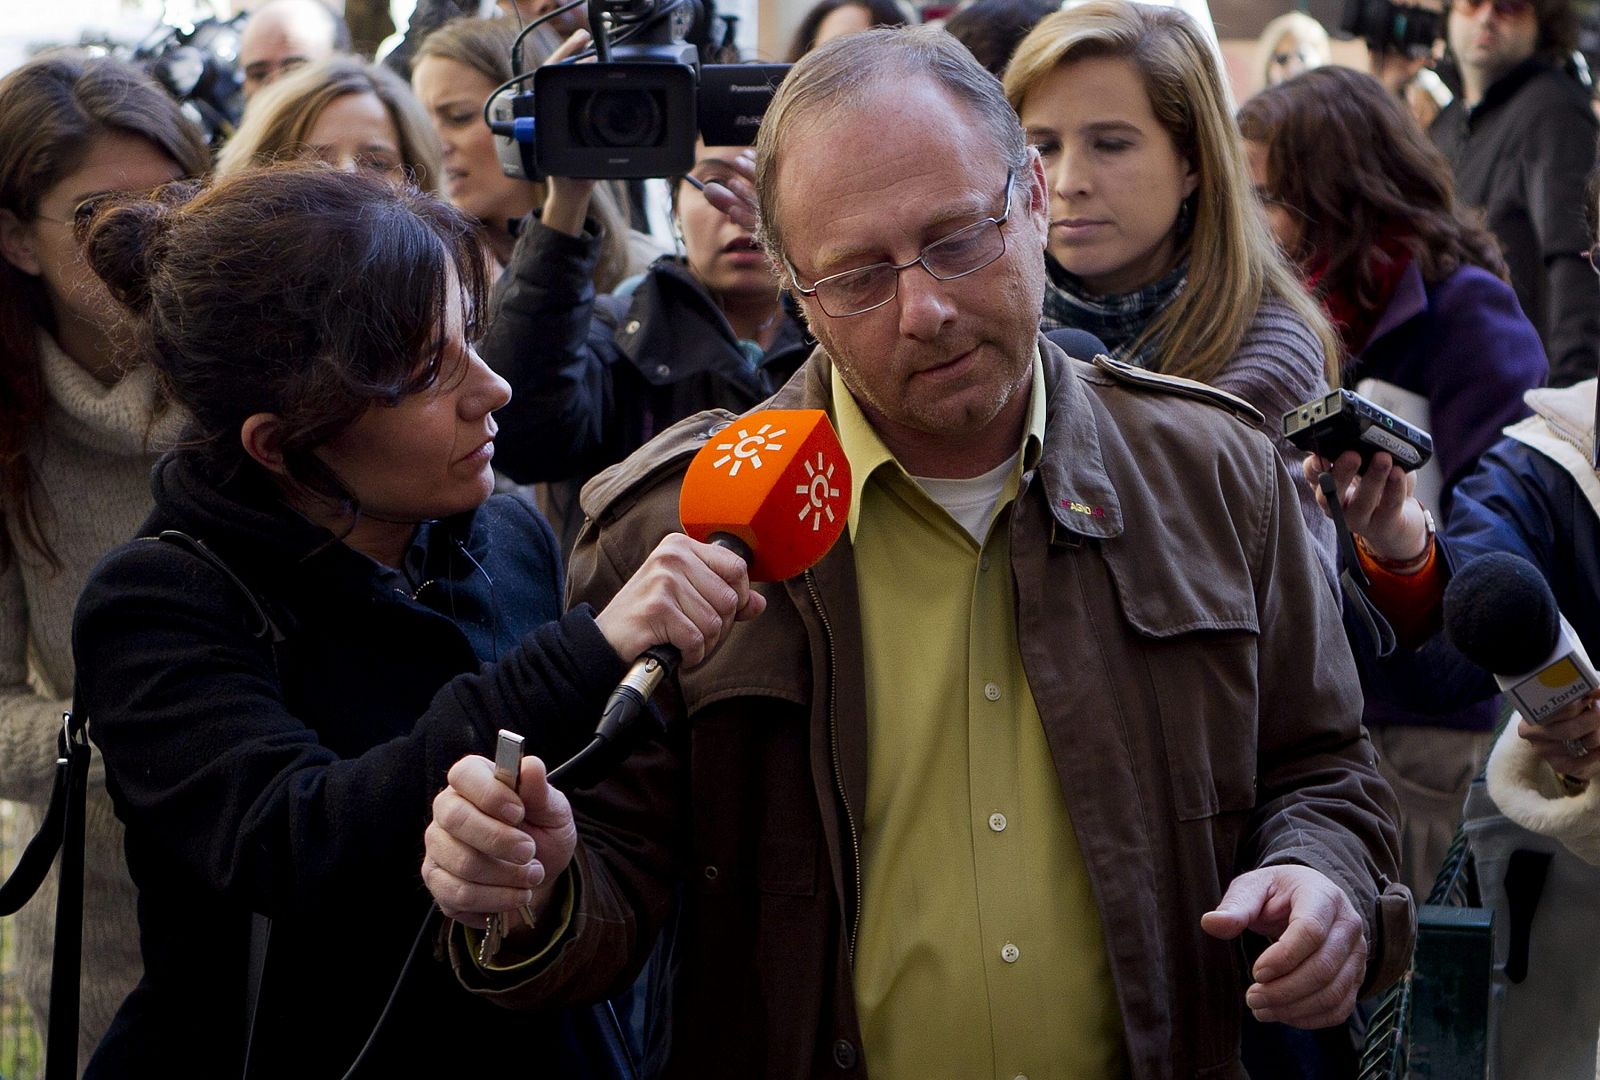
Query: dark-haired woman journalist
[(315, 325)]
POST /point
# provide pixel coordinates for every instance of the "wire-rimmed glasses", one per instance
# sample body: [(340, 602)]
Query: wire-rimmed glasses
[(963, 252)]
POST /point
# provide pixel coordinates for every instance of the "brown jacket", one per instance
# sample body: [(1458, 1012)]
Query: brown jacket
[(1188, 663)]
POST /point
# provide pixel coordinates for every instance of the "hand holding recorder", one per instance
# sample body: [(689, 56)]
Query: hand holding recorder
[(1377, 502)]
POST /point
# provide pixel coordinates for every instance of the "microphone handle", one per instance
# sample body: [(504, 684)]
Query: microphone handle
[(654, 665)]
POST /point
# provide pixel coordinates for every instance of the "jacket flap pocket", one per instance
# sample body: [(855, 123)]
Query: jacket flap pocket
[(1183, 589)]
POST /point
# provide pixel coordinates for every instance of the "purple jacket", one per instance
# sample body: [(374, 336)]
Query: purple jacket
[(1464, 345)]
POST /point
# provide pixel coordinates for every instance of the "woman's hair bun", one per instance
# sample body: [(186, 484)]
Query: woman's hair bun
[(125, 239)]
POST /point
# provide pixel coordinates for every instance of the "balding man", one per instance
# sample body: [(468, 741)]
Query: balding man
[(994, 789), (283, 34)]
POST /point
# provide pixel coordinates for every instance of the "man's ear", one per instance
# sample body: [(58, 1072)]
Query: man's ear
[(262, 440), (17, 245), (1038, 187)]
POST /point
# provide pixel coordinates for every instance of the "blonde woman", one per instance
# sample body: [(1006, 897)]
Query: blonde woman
[(1155, 244), (348, 113), (1291, 44)]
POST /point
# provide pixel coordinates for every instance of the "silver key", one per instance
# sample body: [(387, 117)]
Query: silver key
[(508, 770), (493, 933)]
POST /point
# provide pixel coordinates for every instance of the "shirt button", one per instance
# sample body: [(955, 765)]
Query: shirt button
[(844, 1055), (632, 327), (1009, 953), (991, 691), (983, 563), (662, 371), (997, 822)]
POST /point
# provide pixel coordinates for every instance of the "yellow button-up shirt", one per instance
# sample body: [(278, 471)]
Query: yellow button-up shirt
[(980, 951)]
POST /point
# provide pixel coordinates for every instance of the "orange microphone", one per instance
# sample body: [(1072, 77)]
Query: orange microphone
[(775, 484), (773, 487)]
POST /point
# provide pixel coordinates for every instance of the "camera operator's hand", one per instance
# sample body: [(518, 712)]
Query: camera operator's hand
[(566, 198), (736, 195), (1395, 69), (1378, 504)]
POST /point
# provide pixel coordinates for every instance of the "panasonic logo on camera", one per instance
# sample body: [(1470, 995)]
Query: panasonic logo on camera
[(1402, 450)]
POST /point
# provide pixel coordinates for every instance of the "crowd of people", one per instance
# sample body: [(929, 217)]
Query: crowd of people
[(330, 452)]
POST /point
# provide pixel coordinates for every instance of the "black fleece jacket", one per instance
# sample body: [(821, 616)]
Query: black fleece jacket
[(299, 787)]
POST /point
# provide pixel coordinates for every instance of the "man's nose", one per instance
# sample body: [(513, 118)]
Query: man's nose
[(925, 304)]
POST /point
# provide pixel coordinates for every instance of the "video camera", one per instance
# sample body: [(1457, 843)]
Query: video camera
[(635, 112), (1388, 27), (198, 64)]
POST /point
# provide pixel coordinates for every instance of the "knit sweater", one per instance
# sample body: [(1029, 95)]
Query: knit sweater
[(91, 487), (1279, 365)]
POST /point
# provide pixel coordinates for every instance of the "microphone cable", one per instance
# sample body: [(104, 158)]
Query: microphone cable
[(616, 722)]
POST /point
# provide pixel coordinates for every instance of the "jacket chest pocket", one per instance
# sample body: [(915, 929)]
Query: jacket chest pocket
[(1194, 628), (1204, 688)]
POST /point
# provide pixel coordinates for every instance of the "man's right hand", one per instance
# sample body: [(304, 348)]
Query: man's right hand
[(687, 594), (1378, 504)]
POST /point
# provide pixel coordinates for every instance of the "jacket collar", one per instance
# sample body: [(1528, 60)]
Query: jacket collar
[(244, 517), (1071, 466), (1409, 299), (1071, 469), (1506, 86), (1570, 410)]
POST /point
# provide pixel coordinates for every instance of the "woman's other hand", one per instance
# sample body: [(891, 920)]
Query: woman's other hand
[(1573, 727), (490, 849)]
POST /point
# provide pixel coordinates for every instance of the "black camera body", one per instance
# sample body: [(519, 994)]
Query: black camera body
[(635, 114), (1388, 27), (197, 64), (1344, 420)]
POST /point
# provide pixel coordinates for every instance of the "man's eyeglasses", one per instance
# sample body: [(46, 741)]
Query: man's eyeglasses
[(1503, 8), (963, 252), (1593, 255)]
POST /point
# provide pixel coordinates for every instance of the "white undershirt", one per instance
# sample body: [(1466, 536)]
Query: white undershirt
[(971, 502)]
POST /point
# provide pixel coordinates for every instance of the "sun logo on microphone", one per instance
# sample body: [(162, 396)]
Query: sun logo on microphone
[(819, 492), (749, 448)]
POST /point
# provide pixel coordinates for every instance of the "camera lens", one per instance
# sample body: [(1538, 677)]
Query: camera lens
[(621, 118)]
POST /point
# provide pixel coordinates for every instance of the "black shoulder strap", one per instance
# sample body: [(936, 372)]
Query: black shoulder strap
[(265, 627)]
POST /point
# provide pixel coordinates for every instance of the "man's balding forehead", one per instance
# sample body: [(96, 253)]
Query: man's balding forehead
[(293, 15)]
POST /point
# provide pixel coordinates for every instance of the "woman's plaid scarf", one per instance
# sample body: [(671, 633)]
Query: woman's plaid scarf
[(1115, 320)]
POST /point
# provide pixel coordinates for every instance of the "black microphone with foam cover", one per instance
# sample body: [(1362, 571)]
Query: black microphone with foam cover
[(1500, 613)]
